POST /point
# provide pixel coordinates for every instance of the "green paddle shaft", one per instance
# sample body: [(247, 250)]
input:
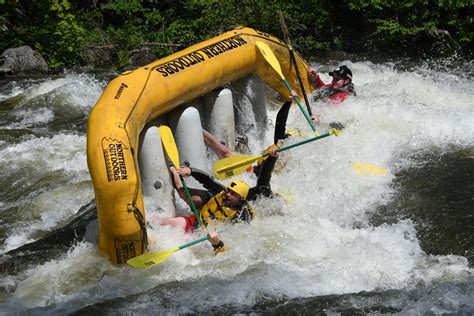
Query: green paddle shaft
[(197, 241), (190, 198), (300, 106), (301, 143)]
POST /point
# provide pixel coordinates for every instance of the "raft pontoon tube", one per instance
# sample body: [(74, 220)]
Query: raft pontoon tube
[(137, 97)]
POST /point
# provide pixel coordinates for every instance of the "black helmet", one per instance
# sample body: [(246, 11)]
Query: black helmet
[(343, 72)]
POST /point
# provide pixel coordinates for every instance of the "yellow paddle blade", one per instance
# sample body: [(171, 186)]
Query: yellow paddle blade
[(151, 258), (267, 53), (232, 166), (169, 144), (365, 169), (286, 194)]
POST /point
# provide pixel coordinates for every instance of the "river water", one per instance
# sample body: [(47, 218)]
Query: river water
[(343, 243)]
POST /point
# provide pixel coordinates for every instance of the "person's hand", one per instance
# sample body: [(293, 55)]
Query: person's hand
[(292, 95), (217, 244), (338, 84), (184, 171), (312, 72), (315, 119), (173, 169), (213, 237), (272, 151)]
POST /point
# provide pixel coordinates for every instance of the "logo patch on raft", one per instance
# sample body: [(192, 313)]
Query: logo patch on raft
[(124, 249), (114, 158), (120, 91), (188, 60)]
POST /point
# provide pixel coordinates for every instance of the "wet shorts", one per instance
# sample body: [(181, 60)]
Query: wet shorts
[(190, 222)]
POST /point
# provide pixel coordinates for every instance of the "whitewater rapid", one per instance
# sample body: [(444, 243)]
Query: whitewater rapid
[(320, 242)]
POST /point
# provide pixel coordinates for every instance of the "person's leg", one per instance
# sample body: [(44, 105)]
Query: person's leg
[(187, 223)]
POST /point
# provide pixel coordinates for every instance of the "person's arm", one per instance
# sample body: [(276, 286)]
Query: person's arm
[(196, 194), (263, 182), (202, 177), (221, 150), (216, 243), (315, 79), (282, 116)]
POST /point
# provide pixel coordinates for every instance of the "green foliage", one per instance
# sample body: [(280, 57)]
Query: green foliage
[(60, 29), (66, 36), (394, 23)]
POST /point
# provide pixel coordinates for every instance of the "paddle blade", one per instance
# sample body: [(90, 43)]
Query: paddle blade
[(365, 169), (267, 53), (169, 144), (151, 258), (232, 166)]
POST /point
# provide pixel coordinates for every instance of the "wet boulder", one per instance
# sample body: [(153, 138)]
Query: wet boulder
[(141, 57), (22, 59), (101, 56), (436, 43)]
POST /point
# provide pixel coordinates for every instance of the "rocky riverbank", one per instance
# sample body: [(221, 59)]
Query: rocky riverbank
[(24, 61)]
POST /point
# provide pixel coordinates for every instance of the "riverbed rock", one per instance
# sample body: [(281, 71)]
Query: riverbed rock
[(101, 56), (22, 59), (141, 57), (436, 42)]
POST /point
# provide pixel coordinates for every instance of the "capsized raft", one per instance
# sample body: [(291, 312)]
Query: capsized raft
[(137, 97)]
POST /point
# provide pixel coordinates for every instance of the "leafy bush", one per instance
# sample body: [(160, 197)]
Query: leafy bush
[(60, 29)]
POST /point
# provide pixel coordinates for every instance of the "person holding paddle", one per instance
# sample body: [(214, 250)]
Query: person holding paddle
[(227, 204), (280, 133), (340, 87), (219, 203)]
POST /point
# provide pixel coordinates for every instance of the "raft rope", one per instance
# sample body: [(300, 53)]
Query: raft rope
[(141, 221)]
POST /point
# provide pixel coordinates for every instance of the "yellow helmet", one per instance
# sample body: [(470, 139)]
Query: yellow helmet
[(239, 187)]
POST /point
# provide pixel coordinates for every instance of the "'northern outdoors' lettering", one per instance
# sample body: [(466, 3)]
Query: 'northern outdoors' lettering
[(114, 160), (124, 250), (178, 64)]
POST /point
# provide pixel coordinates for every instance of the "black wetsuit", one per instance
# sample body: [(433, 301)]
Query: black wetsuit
[(264, 171)]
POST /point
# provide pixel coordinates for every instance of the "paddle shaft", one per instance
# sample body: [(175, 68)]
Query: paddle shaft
[(197, 241), (231, 166), (300, 106), (190, 198), (293, 60), (172, 151), (300, 143)]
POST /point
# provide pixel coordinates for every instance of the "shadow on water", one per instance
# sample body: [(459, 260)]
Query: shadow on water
[(436, 193), (53, 245), (431, 300)]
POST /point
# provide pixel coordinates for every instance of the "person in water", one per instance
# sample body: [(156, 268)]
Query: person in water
[(219, 203), (340, 87)]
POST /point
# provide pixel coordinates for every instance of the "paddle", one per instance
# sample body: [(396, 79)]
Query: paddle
[(267, 53), (293, 60), (365, 169), (169, 145), (158, 257), (236, 164)]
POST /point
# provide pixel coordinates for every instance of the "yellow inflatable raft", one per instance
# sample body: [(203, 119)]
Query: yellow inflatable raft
[(136, 97)]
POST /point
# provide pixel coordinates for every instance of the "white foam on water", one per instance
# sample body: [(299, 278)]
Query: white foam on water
[(35, 159), (81, 89), (73, 91), (61, 152)]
